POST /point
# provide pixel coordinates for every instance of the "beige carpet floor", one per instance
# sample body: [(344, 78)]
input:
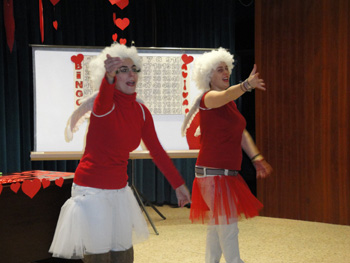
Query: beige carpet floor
[(262, 240)]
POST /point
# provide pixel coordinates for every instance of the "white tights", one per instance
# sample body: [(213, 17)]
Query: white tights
[(222, 239)]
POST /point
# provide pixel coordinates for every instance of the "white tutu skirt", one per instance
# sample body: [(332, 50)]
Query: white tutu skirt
[(95, 221)]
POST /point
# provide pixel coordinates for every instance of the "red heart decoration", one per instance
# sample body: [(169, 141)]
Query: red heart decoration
[(187, 110), (185, 102), (0, 188), (45, 183), (31, 187), (122, 23), (184, 94), (54, 23), (184, 67), (77, 59), (184, 74), (122, 41), (54, 2), (15, 187), (187, 59), (59, 182), (122, 3), (115, 37)]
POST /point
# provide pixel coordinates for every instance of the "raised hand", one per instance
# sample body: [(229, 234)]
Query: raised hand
[(254, 81), (111, 65)]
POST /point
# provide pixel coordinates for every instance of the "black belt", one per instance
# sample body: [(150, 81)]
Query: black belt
[(203, 171)]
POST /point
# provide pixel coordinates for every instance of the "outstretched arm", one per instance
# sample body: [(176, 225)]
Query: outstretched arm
[(216, 99)]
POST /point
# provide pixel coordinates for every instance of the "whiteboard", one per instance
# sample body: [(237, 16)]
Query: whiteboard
[(54, 75)]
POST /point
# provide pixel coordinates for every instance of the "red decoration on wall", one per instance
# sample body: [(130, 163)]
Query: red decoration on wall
[(54, 23), (77, 60), (9, 23), (122, 41), (186, 59), (122, 23), (31, 187)]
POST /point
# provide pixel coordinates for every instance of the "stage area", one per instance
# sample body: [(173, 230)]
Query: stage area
[(262, 240)]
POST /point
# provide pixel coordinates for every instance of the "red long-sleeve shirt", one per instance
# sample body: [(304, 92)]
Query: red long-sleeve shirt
[(221, 136), (116, 128)]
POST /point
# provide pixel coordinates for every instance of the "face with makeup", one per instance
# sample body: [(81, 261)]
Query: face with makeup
[(127, 76), (220, 78)]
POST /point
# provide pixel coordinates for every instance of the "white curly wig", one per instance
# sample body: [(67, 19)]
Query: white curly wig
[(96, 65), (206, 63)]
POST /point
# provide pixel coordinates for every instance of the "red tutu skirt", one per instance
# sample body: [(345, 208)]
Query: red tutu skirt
[(222, 200)]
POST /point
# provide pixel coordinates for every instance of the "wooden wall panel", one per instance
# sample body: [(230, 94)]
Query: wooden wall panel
[(302, 121)]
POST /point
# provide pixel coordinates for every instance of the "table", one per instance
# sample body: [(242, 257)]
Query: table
[(28, 223)]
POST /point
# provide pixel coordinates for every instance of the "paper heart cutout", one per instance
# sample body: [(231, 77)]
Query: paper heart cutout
[(54, 23), (185, 102), (0, 188), (45, 183), (115, 37), (187, 110), (59, 182), (184, 95), (121, 3), (122, 41), (31, 187), (77, 59), (15, 187), (184, 74), (54, 2), (187, 59), (184, 67), (122, 23), (185, 88)]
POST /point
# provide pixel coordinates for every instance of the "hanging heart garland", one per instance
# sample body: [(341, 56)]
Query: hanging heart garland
[(120, 3), (122, 23)]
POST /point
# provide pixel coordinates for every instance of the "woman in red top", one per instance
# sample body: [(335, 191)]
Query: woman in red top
[(220, 195), (102, 219)]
